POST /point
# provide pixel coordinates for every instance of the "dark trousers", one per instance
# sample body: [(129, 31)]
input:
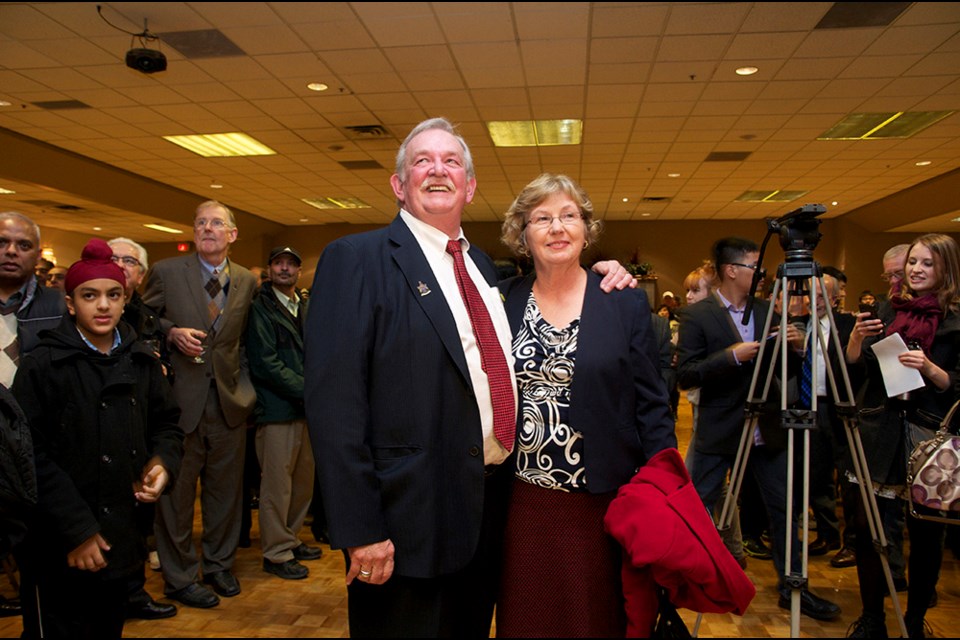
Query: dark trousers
[(926, 555), (59, 602), (457, 605)]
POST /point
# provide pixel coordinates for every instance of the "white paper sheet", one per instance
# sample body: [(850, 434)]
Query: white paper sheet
[(896, 377)]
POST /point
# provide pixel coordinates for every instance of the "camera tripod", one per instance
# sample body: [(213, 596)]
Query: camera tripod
[(797, 277)]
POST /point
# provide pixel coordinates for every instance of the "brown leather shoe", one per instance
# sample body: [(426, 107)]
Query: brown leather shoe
[(846, 557)]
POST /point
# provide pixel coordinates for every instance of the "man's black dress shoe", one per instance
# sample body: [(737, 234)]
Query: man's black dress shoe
[(195, 595), (811, 606), (846, 557), (10, 608), (289, 570), (150, 610), (224, 583), (820, 547), (304, 552)]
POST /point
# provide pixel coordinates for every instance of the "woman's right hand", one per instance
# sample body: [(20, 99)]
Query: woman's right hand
[(866, 325)]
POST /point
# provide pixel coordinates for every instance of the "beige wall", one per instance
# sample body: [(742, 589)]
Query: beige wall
[(673, 247)]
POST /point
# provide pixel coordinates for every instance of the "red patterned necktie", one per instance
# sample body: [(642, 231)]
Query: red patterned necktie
[(493, 361)]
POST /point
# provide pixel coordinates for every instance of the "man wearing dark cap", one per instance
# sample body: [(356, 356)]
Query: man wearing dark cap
[(275, 352)]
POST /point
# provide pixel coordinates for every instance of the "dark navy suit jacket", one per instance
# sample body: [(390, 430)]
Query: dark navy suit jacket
[(392, 413), (618, 399)]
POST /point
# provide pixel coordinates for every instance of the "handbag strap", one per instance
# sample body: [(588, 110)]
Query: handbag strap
[(947, 419)]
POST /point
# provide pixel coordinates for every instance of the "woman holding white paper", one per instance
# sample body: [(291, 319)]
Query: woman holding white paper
[(926, 314)]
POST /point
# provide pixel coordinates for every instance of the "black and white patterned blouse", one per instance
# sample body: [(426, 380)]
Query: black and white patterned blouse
[(549, 451)]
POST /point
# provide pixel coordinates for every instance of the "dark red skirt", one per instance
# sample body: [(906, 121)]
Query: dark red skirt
[(561, 574)]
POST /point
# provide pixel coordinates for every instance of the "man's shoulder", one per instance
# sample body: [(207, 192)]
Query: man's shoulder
[(173, 262)]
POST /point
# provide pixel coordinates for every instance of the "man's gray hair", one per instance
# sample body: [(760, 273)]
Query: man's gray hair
[(136, 247), (14, 215), (897, 250), (209, 204), (433, 123)]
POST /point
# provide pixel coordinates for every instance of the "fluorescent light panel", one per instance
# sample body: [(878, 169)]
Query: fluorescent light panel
[(876, 126), (160, 227), (336, 203), (222, 145), (6, 191), (770, 196), (535, 133)]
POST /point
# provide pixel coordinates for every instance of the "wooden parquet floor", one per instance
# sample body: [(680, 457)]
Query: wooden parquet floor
[(270, 607)]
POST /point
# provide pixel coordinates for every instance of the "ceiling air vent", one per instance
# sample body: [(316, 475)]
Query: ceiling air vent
[(202, 43), (367, 131), (655, 199), (727, 156), (55, 105), (52, 204)]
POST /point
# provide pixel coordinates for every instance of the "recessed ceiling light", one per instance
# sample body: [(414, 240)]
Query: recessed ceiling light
[(535, 133), (923, 163), (222, 145), (6, 191), (4, 103), (98, 228), (954, 219), (626, 199), (673, 175), (216, 185), (834, 203), (747, 71), (304, 219), (160, 227), (336, 203), (873, 126), (317, 86), (645, 215)]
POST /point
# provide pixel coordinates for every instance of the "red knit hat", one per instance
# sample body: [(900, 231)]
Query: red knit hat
[(95, 262)]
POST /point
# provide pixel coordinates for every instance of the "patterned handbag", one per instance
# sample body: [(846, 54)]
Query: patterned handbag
[(933, 474)]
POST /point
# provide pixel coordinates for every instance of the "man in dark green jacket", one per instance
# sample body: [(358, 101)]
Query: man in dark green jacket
[(275, 354)]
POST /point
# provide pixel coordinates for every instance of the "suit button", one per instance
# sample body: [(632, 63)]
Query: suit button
[(105, 510), (474, 451), (106, 459), (133, 453), (103, 405), (133, 401)]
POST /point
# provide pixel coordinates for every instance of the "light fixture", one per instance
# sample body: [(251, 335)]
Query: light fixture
[(923, 163), (222, 145), (98, 228), (645, 215), (874, 126), (304, 219), (834, 203), (746, 71), (317, 86), (626, 199), (216, 185), (776, 195), (4, 103), (160, 227), (535, 133), (673, 175), (6, 192), (336, 203)]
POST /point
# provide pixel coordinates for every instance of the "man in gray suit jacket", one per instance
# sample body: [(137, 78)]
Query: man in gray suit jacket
[(203, 300)]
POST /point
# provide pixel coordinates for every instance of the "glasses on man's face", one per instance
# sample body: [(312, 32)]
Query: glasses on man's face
[(752, 267), (543, 221), (128, 261), (214, 223), (894, 275)]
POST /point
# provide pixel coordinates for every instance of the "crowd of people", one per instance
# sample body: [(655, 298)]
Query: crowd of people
[(474, 433)]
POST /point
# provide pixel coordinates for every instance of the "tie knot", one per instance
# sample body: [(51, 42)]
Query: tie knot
[(453, 247)]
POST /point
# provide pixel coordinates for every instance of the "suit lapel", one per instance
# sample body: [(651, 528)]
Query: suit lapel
[(723, 319), (419, 276)]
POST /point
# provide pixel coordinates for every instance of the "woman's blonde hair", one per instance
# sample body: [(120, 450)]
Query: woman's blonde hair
[(705, 272), (539, 189), (946, 261)]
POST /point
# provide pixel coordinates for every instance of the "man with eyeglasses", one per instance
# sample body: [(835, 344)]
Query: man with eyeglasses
[(718, 353), (893, 261), (203, 300)]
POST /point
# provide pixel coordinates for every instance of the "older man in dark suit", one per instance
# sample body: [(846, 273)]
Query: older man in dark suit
[(718, 353), (203, 300)]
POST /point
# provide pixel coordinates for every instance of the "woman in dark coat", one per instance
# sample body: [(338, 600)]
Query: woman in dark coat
[(926, 314), (593, 409)]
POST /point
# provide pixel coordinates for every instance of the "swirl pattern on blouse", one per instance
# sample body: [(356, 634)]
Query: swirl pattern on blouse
[(549, 450)]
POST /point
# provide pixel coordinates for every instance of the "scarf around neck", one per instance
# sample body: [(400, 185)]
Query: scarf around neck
[(916, 320)]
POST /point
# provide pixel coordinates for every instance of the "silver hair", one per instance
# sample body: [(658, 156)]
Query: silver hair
[(136, 247)]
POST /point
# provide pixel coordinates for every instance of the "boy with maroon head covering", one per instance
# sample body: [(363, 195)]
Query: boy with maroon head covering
[(106, 445)]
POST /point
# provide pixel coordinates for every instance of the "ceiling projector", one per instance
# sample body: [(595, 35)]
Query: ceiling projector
[(146, 60)]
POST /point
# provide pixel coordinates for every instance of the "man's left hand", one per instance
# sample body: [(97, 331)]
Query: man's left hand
[(615, 276)]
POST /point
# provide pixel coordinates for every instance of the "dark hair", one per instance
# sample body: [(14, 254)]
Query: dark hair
[(731, 250)]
